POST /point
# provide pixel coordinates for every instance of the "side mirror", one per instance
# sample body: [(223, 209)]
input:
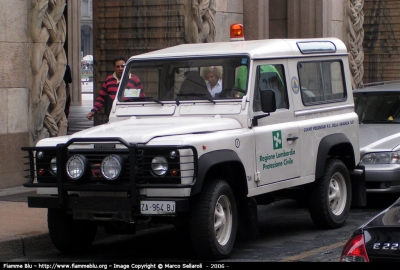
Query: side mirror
[(268, 105), (268, 101)]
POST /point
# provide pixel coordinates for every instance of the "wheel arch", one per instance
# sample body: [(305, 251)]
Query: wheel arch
[(334, 145), (224, 164)]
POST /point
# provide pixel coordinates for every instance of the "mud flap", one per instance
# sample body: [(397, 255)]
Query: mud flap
[(248, 228), (359, 196)]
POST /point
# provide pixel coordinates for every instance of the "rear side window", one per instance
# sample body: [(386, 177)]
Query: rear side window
[(321, 82)]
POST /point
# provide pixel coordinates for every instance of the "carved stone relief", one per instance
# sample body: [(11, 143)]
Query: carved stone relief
[(200, 21), (47, 31), (355, 38)]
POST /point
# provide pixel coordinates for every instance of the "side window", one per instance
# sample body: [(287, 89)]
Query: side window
[(321, 82), (271, 77)]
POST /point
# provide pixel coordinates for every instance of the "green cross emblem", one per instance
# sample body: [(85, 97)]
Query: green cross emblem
[(277, 139)]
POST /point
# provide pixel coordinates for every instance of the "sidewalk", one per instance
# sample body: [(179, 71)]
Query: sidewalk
[(23, 230)]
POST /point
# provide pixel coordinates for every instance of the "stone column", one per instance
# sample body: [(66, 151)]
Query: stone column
[(304, 19), (74, 49), (47, 33), (14, 90), (256, 19), (354, 40)]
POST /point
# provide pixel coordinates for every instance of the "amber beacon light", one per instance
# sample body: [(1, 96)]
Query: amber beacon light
[(237, 33)]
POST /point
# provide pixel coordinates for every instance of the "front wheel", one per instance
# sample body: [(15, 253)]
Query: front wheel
[(330, 196), (213, 221), (70, 236)]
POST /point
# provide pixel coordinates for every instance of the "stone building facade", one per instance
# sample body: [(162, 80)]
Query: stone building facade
[(36, 40), (86, 27), (40, 36), (14, 90), (382, 32)]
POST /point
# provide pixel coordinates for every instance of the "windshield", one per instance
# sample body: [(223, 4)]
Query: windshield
[(378, 107), (200, 79)]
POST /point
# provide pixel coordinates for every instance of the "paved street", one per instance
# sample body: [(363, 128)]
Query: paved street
[(287, 234), (77, 118)]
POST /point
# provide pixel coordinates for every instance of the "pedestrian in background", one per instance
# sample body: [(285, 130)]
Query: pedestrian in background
[(110, 87), (67, 80)]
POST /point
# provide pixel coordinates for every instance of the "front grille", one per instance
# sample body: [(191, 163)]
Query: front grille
[(143, 171)]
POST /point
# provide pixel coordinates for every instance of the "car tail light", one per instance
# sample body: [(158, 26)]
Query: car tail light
[(354, 250)]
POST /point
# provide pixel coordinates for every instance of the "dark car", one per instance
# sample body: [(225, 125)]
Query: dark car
[(378, 109), (377, 240)]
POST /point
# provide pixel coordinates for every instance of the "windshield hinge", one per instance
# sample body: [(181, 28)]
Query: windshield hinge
[(250, 122)]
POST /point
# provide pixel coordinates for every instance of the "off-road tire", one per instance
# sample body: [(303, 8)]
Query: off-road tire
[(330, 196), (67, 235), (213, 221)]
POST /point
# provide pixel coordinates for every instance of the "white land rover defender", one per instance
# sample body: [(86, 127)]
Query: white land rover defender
[(282, 124)]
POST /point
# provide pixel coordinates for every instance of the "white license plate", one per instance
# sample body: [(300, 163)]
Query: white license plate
[(157, 207)]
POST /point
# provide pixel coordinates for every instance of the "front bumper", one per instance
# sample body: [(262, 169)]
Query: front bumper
[(382, 178), (104, 208)]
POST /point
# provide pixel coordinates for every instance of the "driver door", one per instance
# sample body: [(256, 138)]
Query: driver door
[(276, 136)]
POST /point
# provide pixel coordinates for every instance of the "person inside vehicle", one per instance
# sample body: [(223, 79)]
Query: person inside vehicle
[(213, 76)]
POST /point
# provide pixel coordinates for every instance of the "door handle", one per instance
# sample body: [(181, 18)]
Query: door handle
[(292, 139)]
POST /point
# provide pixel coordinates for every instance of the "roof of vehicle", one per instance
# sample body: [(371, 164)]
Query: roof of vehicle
[(256, 49), (392, 86)]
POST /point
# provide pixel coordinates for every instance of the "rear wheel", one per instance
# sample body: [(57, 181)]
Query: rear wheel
[(213, 221), (330, 196), (68, 235)]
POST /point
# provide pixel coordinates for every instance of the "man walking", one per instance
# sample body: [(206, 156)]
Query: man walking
[(110, 87)]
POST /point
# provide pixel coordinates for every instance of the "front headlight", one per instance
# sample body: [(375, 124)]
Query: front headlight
[(40, 155), (159, 166), (76, 166), (111, 167), (53, 166), (46, 166), (381, 158)]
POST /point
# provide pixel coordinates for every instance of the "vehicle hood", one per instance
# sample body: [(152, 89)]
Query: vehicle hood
[(379, 137), (144, 129)]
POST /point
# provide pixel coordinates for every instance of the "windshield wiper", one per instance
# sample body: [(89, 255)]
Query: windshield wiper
[(203, 96), (143, 99)]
